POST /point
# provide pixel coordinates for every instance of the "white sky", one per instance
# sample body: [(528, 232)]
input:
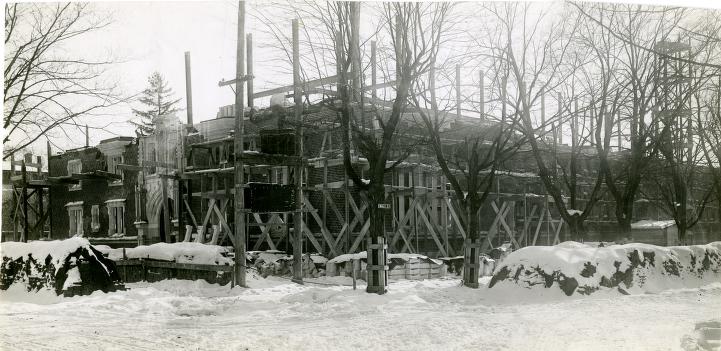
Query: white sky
[(150, 36)]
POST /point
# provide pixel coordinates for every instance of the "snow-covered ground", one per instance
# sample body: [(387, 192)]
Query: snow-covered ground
[(279, 315)]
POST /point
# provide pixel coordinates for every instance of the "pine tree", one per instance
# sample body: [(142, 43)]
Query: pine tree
[(158, 99)]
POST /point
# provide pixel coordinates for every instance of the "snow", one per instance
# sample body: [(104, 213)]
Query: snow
[(73, 277), (648, 224), (363, 255), (574, 212), (655, 268), (58, 249), (271, 256), (279, 315), (177, 252)]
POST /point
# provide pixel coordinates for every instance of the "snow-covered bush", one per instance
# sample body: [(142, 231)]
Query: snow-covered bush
[(64, 266), (630, 268)]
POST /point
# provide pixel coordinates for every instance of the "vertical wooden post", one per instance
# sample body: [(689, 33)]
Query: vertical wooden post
[(297, 215), (39, 196), (618, 131), (458, 91), (504, 82), (239, 200), (249, 46), (374, 72), (166, 212), (574, 126), (15, 198), (23, 169), (355, 50), (483, 96), (178, 183), (543, 113), (87, 136), (188, 91), (560, 120), (50, 196)]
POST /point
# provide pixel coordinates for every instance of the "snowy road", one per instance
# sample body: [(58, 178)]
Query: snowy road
[(277, 315)]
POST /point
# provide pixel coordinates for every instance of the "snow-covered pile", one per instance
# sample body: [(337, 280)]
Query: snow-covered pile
[(70, 265), (400, 266), (176, 252), (631, 268), (274, 262)]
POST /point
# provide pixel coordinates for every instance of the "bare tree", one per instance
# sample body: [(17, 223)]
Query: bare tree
[(628, 44), (332, 37), (44, 90), (540, 57), (469, 166), (416, 31)]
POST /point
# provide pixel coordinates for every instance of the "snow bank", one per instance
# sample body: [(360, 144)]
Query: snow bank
[(176, 252), (631, 268), (69, 266)]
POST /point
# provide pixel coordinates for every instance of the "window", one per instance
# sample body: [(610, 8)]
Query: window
[(113, 161), (151, 156), (75, 214), (75, 167), (95, 218), (280, 175), (116, 217)]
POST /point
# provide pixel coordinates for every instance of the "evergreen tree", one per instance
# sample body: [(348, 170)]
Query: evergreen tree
[(158, 99)]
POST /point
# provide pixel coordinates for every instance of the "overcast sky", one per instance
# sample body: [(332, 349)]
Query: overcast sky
[(153, 36)]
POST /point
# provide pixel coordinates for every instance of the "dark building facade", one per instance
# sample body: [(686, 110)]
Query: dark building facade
[(101, 206)]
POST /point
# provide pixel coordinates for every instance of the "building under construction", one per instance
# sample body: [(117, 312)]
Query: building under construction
[(179, 184)]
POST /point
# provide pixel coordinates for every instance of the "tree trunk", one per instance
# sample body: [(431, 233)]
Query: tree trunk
[(472, 247), (577, 228), (377, 248)]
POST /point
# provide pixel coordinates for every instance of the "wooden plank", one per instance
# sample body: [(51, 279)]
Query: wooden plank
[(210, 212), (360, 237), (312, 239), (538, 227), (324, 231), (224, 224), (502, 220), (422, 213), (401, 224), (333, 206), (264, 231), (527, 223), (493, 232), (454, 215), (556, 240), (190, 212), (305, 85)]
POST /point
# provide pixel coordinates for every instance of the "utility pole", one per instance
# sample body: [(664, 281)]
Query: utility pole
[(239, 242), (298, 214)]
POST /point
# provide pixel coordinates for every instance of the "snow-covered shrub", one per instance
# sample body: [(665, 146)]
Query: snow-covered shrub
[(630, 268), (69, 266)]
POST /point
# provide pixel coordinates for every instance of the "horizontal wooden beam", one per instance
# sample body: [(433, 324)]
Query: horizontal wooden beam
[(306, 85), (244, 78)]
